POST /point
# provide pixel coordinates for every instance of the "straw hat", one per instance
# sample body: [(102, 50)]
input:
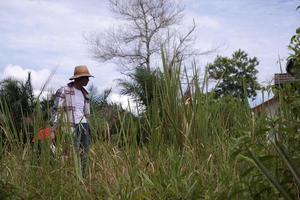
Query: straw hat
[(81, 71)]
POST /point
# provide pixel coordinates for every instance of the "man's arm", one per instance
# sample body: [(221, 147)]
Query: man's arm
[(59, 99)]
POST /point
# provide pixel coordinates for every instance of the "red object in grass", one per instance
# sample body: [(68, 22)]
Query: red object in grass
[(44, 134)]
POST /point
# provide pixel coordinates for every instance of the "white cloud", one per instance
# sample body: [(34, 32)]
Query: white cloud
[(16, 71), (126, 102), (50, 34), (261, 28), (38, 77), (49, 28), (206, 22), (45, 33)]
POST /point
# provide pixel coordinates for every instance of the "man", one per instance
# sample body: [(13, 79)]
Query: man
[(72, 109)]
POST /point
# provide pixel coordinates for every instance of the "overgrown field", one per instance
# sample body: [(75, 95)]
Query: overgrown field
[(206, 148)]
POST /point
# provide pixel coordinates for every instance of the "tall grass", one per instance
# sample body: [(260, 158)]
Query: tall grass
[(195, 151)]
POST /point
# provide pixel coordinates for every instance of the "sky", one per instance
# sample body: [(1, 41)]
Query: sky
[(45, 35)]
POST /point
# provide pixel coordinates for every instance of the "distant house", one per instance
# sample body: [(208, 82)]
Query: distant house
[(270, 106), (283, 78)]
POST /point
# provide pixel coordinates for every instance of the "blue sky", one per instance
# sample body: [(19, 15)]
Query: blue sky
[(40, 35)]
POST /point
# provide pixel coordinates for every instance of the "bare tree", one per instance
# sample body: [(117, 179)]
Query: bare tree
[(146, 26)]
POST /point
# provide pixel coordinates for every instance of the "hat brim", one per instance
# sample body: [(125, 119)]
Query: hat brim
[(81, 75)]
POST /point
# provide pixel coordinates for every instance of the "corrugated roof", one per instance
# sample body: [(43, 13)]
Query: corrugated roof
[(283, 78), (263, 105)]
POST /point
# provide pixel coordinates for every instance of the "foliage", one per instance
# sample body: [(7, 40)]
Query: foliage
[(141, 85), (16, 98), (19, 94), (45, 105), (8, 191), (295, 56), (236, 76), (99, 101), (207, 149), (293, 65), (106, 116), (272, 147)]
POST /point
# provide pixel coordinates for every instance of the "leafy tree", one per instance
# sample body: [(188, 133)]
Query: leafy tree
[(147, 26), (107, 116), (99, 101), (16, 97), (141, 85), (27, 91), (295, 56), (236, 75), (46, 104)]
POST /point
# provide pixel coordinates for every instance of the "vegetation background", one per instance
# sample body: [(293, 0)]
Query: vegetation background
[(184, 142)]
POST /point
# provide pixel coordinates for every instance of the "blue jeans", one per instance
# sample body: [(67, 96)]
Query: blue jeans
[(81, 143)]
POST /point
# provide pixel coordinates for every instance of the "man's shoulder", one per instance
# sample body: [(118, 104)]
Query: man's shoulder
[(66, 87), (63, 89)]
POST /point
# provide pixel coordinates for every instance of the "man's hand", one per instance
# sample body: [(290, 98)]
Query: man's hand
[(53, 132), (52, 135)]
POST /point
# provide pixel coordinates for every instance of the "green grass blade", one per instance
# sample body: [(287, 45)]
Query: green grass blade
[(268, 175), (283, 154)]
